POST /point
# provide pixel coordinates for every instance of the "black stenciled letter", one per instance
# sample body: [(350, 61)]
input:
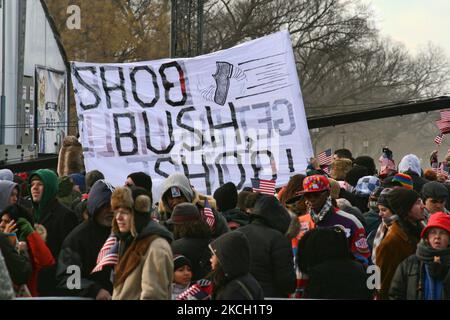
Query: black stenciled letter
[(120, 87), (220, 170), (170, 133), (204, 175), (155, 86), (158, 166), (190, 129), (83, 83), (233, 124), (256, 168), (130, 135), (169, 85)]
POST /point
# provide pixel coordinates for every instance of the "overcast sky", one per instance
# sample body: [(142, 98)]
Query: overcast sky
[(414, 22)]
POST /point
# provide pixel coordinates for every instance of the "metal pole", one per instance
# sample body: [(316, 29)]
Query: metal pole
[(3, 98), (173, 28)]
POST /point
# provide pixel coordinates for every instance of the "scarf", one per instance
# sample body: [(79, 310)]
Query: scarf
[(318, 217), (437, 269), (381, 233)]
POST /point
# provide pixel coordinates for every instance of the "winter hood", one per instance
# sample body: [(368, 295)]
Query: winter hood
[(99, 195), (50, 181), (6, 187), (272, 213), (410, 162), (233, 251)]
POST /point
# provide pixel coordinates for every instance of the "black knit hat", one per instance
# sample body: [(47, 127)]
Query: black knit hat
[(226, 197), (179, 261), (401, 201), (141, 179), (383, 197)]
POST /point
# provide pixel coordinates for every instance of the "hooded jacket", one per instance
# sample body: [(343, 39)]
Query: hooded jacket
[(6, 174), (272, 261), (145, 271), (57, 219), (181, 181), (6, 188), (82, 246), (233, 252)]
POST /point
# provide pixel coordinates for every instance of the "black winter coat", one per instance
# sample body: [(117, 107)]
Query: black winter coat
[(406, 283), (233, 253), (272, 261), (19, 267), (243, 288), (81, 248), (197, 251), (59, 221), (338, 279)]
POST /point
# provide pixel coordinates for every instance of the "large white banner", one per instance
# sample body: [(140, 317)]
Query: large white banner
[(231, 115)]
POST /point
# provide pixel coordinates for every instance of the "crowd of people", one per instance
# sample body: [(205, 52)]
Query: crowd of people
[(316, 237)]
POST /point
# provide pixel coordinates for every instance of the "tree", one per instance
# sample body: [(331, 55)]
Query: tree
[(115, 30), (342, 62)]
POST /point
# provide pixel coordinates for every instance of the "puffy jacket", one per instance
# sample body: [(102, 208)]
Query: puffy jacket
[(272, 262)]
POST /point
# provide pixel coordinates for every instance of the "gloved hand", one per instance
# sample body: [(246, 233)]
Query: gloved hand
[(25, 228)]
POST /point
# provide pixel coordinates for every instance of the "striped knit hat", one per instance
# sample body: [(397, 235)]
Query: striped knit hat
[(403, 180)]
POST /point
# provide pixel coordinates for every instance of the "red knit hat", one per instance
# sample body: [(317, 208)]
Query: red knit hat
[(437, 220)]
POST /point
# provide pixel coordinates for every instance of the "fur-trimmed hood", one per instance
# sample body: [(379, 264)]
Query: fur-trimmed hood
[(198, 199)]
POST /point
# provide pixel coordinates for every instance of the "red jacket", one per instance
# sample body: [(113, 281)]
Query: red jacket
[(40, 257)]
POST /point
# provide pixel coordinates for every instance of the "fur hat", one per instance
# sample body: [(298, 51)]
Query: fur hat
[(339, 168), (122, 198), (137, 201)]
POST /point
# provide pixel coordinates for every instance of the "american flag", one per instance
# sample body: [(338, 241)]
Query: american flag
[(445, 114), (264, 186), (209, 215), (108, 255), (325, 157), (326, 169), (439, 138), (201, 290), (444, 126)]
